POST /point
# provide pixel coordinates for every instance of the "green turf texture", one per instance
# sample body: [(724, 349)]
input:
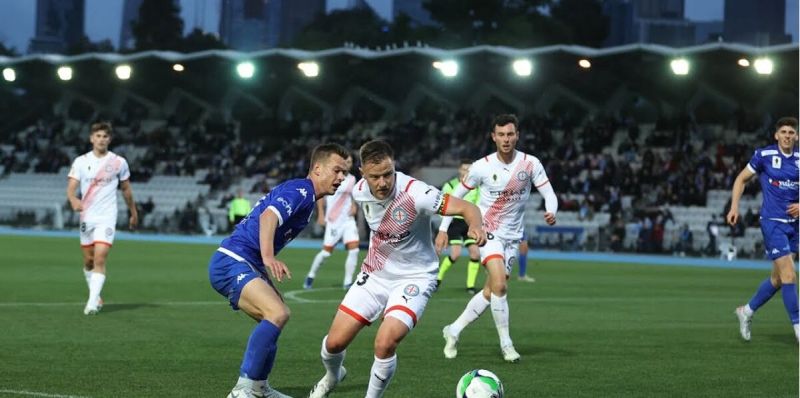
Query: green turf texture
[(583, 329)]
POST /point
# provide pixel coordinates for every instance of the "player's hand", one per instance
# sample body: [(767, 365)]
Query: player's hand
[(733, 216), (550, 218), (277, 269), (478, 234), (793, 210), (134, 221), (76, 204), (440, 242)]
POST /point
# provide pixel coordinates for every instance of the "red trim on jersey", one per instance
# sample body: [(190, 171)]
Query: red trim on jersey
[(409, 185), (491, 257), (446, 202), (467, 186), (542, 184), (97, 242), (360, 184), (486, 158), (354, 314), (404, 309)]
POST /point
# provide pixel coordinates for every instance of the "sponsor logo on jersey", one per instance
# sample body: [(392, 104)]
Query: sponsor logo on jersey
[(775, 251), (783, 184), (240, 277), (411, 290), (390, 237), (286, 205), (303, 192)]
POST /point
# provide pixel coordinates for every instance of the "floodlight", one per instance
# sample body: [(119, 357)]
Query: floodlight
[(584, 63), (763, 66), (522, 67), (743, 62), (680, 66), (177, 67), (310, 69), (123, 72), (9, 74), (64, 73), (246, 69), (448, 68)]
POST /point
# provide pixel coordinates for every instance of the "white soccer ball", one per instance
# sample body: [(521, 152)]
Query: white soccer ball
[(479, 383)]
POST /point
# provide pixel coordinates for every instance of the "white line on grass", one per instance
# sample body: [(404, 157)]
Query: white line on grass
[(38, 394)]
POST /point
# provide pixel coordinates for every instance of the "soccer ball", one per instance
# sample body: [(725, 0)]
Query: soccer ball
[(479, 383)]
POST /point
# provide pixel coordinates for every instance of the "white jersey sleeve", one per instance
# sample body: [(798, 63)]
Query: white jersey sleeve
[(428, 199)]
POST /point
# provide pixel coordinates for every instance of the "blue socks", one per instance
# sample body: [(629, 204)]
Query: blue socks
[(764, 293), (789, 291), (260, 353), (523, 264)]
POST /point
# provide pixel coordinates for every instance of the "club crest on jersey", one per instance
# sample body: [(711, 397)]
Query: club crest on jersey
[(522, 175), (109, 169), (399, 215), (411, 290)]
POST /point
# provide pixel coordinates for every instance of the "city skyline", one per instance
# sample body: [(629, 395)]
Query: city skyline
[(17, 25)]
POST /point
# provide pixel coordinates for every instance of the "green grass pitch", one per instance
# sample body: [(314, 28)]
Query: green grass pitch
[(583, 329)]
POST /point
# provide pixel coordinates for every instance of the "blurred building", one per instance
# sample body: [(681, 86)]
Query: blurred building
[(130, 13), (249, 25), (655, 22), (759, 23), (59, 24), (415, 10)]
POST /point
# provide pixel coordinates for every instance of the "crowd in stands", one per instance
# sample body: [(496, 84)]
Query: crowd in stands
[(599, 160)]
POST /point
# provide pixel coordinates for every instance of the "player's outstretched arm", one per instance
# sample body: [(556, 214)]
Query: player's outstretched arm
[(472, 216), (736, 193), (267, 224), (127, 194), (72, 187)]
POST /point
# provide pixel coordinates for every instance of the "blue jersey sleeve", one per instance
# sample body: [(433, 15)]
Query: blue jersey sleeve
[(755, 162), (289, 201)]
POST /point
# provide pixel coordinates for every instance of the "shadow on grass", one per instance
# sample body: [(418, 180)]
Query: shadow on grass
[(343, 387), (787, 338), (126, 307)]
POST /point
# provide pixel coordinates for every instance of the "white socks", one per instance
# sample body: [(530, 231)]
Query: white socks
[(381, 375), (96, 281), (474, 309), (318, 260), (747, 310), (500, 315), (350, 266), (88, 275), (332, 362)]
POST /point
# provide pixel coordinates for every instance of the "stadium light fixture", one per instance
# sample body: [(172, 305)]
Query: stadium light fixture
[(64, 73), (123, 72), (584, 63), (522, 67), (448, 68), (9, 74), (310, 69), (743, 62), (763, 66), (246, 69), (680, 66), (178, 68)]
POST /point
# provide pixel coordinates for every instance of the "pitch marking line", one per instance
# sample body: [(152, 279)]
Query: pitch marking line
[(38, 394)]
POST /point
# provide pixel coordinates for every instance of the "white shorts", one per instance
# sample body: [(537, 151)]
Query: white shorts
[(347, 232), (97, 232), (402, 299), (505, 249)]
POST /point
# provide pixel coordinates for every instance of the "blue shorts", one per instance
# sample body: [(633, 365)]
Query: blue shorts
[(229, 276), (780, 238)]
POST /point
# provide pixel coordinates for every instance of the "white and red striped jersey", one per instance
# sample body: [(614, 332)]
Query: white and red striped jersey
[(400, 227), (504, 190), (99, 179), (338, 205)]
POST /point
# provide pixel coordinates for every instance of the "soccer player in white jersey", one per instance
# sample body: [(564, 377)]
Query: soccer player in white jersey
[(505, 179), (340, 224), (99, 173), (398, 275)]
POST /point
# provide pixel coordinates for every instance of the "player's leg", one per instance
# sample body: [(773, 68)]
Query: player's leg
[(102, 239), (448, 260), (261, 301), (473, 266), (350, 238), (88, 262), (316, 264), (360, 307), (497, 288), (523, 261), (788, 276)]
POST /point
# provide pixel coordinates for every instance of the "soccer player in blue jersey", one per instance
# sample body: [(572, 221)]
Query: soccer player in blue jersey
[(238, 269), (777, 169)]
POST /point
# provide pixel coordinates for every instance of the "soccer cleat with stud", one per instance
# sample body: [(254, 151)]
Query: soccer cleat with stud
[(325, 385), (450, 350), (269, 392), (510, 354), (526, 278), (744, 323), (244, 392)]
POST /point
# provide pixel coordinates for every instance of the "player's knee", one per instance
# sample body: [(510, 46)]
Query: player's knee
[(385, 346), (280, 316), (499, 288), (788, 276), (334, 344), (88, 263)]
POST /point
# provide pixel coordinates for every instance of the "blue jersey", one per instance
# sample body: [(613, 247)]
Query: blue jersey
[(778, 175), (292, 201)]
